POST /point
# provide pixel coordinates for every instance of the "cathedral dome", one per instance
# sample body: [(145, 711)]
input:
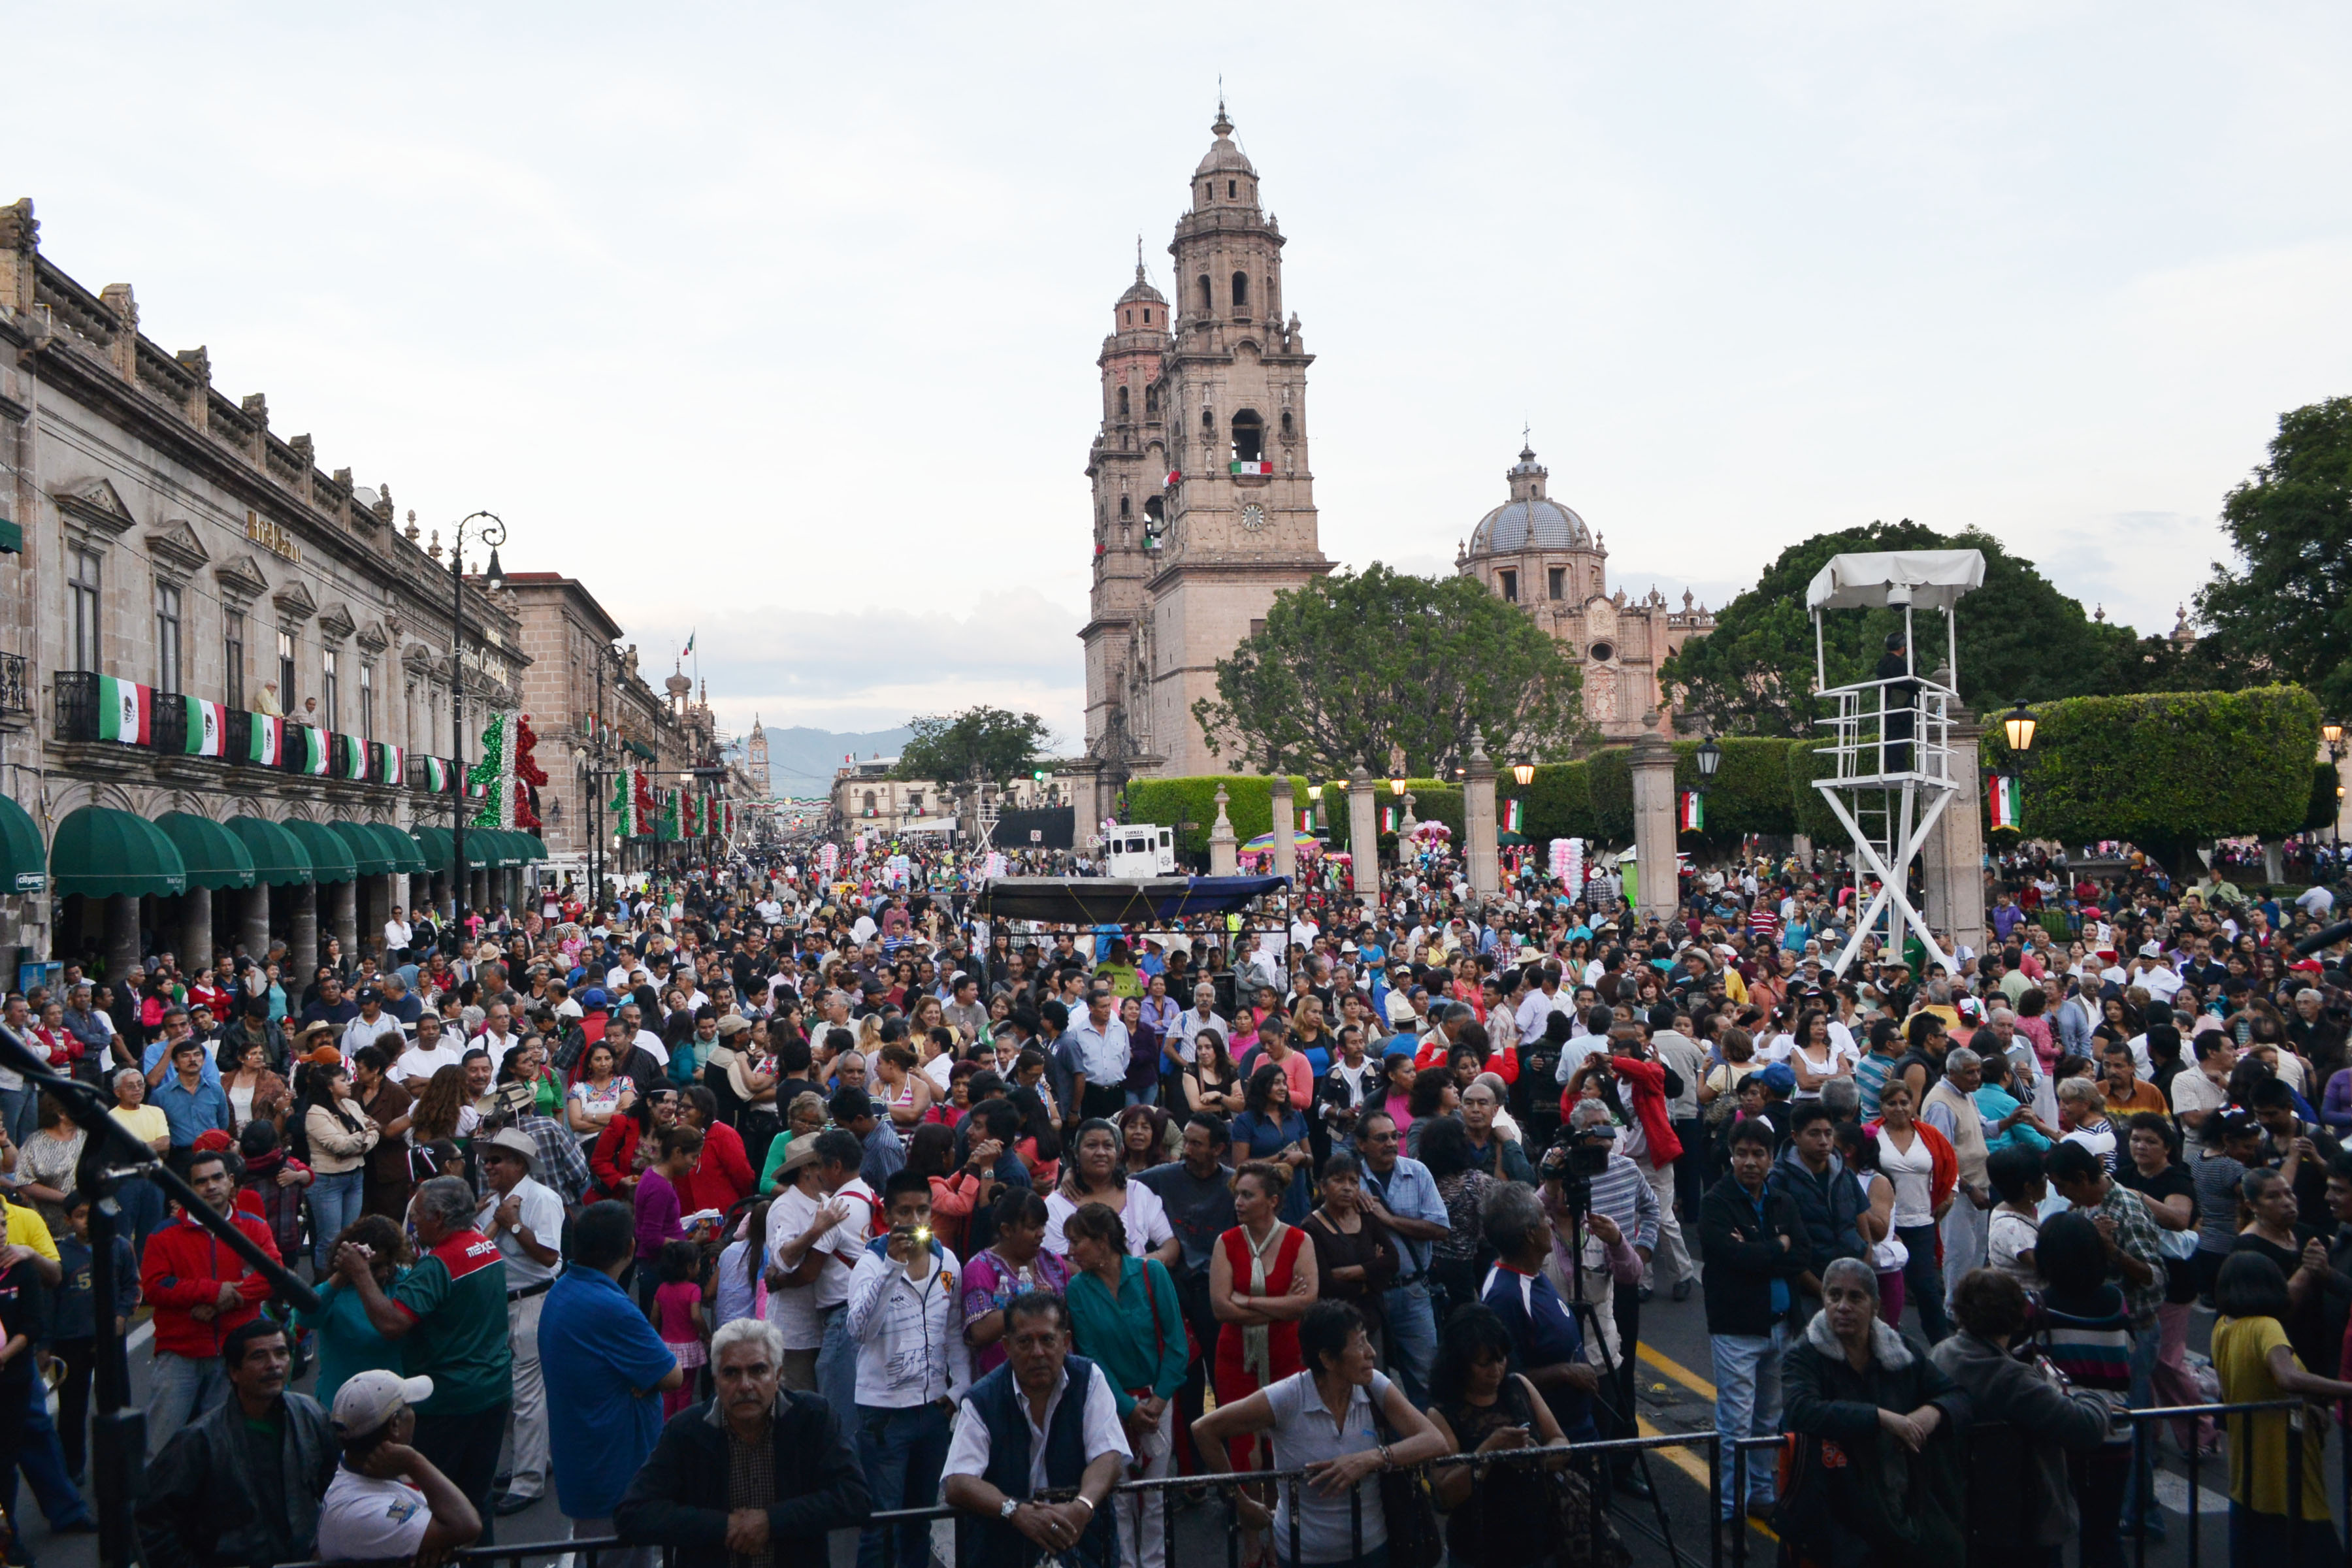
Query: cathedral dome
[(1141, 291), (1224, 157), (1531, 525)]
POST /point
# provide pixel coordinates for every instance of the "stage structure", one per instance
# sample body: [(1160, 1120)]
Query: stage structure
[(1893, 769)]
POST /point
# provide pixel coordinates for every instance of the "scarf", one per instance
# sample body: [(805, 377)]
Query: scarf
[(1257, 1338)]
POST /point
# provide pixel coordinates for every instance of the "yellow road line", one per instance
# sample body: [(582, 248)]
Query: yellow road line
[(1675, 1370), (1685, 1460)]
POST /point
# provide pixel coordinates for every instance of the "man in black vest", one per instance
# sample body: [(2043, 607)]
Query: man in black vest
[(1029, 1427)]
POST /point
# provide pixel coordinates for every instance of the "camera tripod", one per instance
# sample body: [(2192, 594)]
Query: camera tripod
[(1576, 1193)]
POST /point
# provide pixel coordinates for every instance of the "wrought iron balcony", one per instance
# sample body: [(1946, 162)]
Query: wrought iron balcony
[(16, 696), (77, 705), (167, 728)]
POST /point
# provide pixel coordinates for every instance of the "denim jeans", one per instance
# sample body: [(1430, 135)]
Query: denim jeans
[(2139, 1490), (836, 1367), (181, 1388), (902, 1451), (334, 1204), (17, 1107), (1748, 1405), (1411, 1338), (1923, 1279)]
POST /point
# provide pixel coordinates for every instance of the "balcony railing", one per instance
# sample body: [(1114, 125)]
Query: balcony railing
[(167, 728), (236, 736), (77, 705), (15, 697)]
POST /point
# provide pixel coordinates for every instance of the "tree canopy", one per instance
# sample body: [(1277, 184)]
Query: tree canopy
[(945, 748), (2287, 604), (2019, 637), (1353, 664)]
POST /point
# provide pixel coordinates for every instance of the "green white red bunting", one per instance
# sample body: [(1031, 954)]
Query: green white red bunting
[(2008, 803), (126, 712), (392, 764), (207, 728), (265, 739), (1388, 819), (350, 754), (625, 802)]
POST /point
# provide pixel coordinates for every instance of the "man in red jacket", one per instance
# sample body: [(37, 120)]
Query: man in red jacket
[(200, 1291)]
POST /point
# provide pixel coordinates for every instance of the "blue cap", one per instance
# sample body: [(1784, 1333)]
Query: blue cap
[(593, 998), (1780, 1078)]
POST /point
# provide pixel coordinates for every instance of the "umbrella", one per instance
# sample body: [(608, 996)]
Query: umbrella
[(1264, 841)]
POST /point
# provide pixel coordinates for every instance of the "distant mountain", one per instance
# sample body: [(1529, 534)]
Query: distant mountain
[(802, 761)]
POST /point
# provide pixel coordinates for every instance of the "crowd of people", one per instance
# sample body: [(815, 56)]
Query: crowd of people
[(789, 1192)]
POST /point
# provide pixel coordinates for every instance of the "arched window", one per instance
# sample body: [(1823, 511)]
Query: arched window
[(1286, 424), (1152, 398), (1154, 509), (1208, 297), (1241, 291), (1249, 437), (1207, 424), (870, 802), (1122, 402), (1126, 510), (1232, 187), (1147, 315), (1130, 317)]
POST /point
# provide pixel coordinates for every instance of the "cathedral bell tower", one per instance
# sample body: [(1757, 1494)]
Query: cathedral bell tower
[(1127, 466), (1239, 497)]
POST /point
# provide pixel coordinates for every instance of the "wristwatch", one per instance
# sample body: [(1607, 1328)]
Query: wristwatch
[(1008, 1508)]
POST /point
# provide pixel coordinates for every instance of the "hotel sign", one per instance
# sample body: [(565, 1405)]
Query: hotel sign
[(273, 537)]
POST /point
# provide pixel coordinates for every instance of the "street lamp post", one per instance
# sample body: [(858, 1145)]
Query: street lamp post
[(2017, 727), (492, 532)]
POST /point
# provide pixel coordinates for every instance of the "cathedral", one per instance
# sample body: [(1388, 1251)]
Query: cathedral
[(1204, 502)]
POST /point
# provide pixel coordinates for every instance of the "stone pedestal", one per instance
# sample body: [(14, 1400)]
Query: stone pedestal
[(1653, 763), (196, 929), (343, 899), (302, 935), (121, 935), (1286, 829), (1224, 848), (1480, 847), (1363, 837), (255, 917), (1952, 860)]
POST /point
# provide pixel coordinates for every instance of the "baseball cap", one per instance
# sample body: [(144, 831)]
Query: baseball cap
[(369, 1399), (1780, 1078)]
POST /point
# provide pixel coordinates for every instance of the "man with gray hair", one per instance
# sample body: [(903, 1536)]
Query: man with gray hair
[(450, 1314), (1951, 1109)]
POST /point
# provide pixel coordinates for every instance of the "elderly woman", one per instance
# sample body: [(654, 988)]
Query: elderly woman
[(2045, 1419), (1849, 1382)]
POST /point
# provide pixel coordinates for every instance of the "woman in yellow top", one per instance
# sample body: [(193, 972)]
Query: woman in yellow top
[(2256, 1364)]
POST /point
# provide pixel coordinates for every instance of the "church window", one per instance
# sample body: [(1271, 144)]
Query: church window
[(1130, 317), (1208, 296), (1147, 315), (1153, 508), (1249, 437), (1122, 402), (1231, 186), (1126, 510), (1602, 653), (1208, 423), (1286, 424), (1560, 582), (1152, 398), (1509, 583), (1241, 291)]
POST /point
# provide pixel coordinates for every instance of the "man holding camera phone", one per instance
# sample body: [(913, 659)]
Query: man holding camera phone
[(906, 1318)]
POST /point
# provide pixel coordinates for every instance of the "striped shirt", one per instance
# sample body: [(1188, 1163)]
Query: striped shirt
[(1869, 1078)]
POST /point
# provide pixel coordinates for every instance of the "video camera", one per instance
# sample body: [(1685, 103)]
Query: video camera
[(1577, 1155)]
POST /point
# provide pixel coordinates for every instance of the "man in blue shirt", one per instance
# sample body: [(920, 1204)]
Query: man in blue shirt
[(189, 1104), (604, 1413), (1547, 1345), (1402, 1194)]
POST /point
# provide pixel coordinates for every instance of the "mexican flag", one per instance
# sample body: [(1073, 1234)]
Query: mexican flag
[(1694, 812), (265, 739), (351, 756), (207, 727), (625, 802), (2008, 803), (306, 750), (1388, 819), (126, 712), (437, 774), (1515, 816), (393, 763), (1250, 465)]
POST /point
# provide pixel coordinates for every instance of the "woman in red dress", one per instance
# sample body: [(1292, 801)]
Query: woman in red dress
[(1261, 1282)]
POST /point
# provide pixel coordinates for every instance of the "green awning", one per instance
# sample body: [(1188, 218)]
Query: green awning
[(331, 857), (99, 851), (24, 863), (533, 846), (279, 858), (499, 850), (398, 847), (11, 538), (368, 858), (432, 845), (214, 856), (641, 748)]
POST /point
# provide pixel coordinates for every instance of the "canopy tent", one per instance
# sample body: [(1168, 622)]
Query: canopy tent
[(1870, 579), (331, 857), (929, 825), (24, 863), (1118, 901), (214, 857), (279, 858), (99, 851)]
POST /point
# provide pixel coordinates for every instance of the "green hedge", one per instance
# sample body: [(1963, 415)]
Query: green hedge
[(1559, 800), (2324, 807), (1809, 813), (2169, 770), (1249, 805)]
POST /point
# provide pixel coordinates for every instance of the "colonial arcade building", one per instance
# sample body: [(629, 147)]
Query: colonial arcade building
[(224, 672)]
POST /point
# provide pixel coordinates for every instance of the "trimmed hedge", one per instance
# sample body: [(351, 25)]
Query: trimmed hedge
[(2321, 814), (2169, 770), (1808, 812), (1249, 805)]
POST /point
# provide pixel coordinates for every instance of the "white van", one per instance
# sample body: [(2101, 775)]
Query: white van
[(1144, 849)]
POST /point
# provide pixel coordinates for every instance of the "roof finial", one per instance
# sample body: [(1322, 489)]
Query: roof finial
[(1138, 259), (1224, 127)]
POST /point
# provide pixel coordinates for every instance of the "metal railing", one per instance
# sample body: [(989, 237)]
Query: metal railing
[(1865, 754), (167, 727), (15, 695), (76, 692)]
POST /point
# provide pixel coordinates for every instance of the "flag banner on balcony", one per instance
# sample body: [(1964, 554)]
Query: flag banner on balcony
[(349, 753), (1515, 816), (1250, 465), (390, 764), (625, 802), (1388, 819), (437, 774), (306, 750), (2008, 803), (126, 712), (207, 727), (265, 739), (1693, 817)]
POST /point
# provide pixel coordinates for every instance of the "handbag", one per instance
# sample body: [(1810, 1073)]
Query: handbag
[(1408, 1511)]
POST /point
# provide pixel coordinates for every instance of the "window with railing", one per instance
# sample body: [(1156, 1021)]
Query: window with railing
[(77, 704), (15, 693), (167, 636), (367, 697), (82, 609)]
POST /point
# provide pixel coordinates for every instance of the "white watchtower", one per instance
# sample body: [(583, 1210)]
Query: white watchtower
[(1894, 771)]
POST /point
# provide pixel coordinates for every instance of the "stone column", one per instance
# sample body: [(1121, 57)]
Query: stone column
[(195, 929), (121, 935), (303, 940), (344, 899), (1286, 828), (256, 916), (1801, 845), (1363, 838), (1479, 844), (1952, 860), (1224, 848), (1652, 764)]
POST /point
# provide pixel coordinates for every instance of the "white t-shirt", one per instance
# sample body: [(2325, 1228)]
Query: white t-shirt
[(651, 1044), (363, 1520), (542, 1216), (1145, 1220), (792, 1310), (421, 1065)]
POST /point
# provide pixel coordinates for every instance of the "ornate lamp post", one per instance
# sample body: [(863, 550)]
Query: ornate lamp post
[(492, 532)]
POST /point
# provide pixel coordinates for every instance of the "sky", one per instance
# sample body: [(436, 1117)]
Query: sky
[(776, 324)]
